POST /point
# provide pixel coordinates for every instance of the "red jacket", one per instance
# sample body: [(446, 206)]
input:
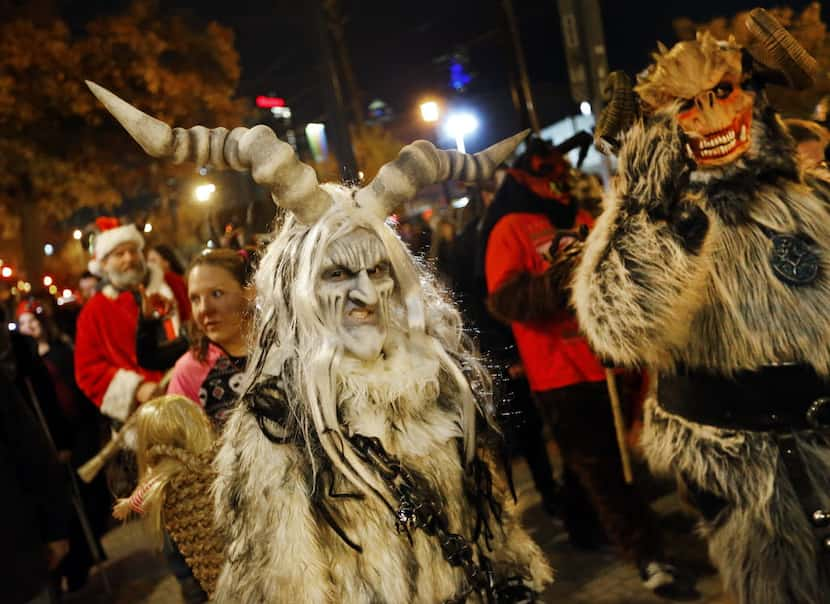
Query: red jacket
[(553, 352)]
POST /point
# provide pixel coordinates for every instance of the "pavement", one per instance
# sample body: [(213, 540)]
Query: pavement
[(137, 574)]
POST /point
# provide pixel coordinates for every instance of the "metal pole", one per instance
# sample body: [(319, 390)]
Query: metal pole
[(522, 66), (333, 96)]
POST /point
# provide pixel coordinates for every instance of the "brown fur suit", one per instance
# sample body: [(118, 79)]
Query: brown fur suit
[(677, 271), (280, 549)]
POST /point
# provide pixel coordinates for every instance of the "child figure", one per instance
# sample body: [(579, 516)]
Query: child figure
[(174, 449)]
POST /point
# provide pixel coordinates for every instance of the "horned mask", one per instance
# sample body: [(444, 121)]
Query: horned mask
[(709, 86)]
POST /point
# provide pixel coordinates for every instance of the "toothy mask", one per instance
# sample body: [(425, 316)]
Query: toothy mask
[(710, 87), (703, 81)]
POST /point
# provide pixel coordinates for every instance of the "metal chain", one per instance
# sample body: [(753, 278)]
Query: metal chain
[(419, 508)]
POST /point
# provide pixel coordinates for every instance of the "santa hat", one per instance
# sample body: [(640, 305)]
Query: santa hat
[(29, 306), (111, 234)]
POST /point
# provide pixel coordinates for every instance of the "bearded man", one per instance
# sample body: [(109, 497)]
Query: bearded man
[(105, 357), (351, 471), (711, 265)]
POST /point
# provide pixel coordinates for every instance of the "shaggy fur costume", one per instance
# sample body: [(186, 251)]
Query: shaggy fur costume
[(677, 270), (281, 549), (297, 530)]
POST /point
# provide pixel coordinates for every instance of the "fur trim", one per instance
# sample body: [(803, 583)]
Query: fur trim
[(106, 241), (119, 399)]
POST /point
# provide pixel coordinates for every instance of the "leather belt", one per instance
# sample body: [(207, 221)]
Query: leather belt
[(773, 398)]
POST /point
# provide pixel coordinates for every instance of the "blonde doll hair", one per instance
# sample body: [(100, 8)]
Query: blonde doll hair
[(173, 434)]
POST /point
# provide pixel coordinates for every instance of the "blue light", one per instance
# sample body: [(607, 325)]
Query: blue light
[(458, 77)]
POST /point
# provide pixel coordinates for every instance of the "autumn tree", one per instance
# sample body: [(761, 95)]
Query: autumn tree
[(807, 27), (59, 149)]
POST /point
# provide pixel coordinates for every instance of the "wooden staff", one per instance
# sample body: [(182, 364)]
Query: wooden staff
[(619, 424), (90, 469)]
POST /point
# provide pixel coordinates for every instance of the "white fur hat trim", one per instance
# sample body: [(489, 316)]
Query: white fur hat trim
[(108, 240)]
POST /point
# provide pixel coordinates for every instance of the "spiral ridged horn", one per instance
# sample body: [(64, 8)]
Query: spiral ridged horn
[(272, 162), (618, 114), (781, 50), (420, 164)]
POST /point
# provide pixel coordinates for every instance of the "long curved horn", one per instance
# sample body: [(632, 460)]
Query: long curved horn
[(272, 162), (618, 115), (782, 52), (420, 164)]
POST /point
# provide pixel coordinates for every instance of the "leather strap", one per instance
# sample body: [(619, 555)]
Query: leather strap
[(777, 398)]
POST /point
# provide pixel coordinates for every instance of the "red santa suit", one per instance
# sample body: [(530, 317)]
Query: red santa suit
[(106, 368), (105, 359)]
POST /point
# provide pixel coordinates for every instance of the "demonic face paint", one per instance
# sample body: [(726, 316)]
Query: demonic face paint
[(354, 288), (717, 122)]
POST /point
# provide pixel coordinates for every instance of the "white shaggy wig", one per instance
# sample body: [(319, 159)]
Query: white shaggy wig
[(296, 338)]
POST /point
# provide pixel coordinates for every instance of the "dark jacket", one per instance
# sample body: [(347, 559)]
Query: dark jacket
[(34, 507)]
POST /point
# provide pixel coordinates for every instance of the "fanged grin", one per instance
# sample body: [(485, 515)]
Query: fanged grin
[(727, 143)]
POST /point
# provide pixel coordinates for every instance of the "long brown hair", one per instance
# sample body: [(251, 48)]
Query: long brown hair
[(240, 264)]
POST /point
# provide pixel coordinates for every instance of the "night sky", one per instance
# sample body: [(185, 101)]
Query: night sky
[(396, 49)]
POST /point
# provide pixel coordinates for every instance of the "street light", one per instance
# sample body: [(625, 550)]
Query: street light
[(430, 111), (458, 126), (203, 192)]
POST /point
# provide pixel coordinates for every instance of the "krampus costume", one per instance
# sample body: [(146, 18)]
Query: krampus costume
[(711, 264), (350, 470)]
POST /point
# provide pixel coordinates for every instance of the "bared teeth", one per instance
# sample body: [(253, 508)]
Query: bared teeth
[(743, 132)]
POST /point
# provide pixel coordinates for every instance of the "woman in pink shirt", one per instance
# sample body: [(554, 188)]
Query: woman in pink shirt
[(220, 295)]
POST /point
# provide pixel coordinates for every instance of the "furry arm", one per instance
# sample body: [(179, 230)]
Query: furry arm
[(645, 262), (264, 513), (529, 298)]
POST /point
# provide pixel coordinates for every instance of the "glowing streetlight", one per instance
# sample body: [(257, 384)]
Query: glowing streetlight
[(430, 111), (47, 281), (77, 234), (203, 192), (458, 126), (6, 272)]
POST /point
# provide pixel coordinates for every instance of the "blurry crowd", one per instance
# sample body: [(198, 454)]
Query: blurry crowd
[(144, 323)]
